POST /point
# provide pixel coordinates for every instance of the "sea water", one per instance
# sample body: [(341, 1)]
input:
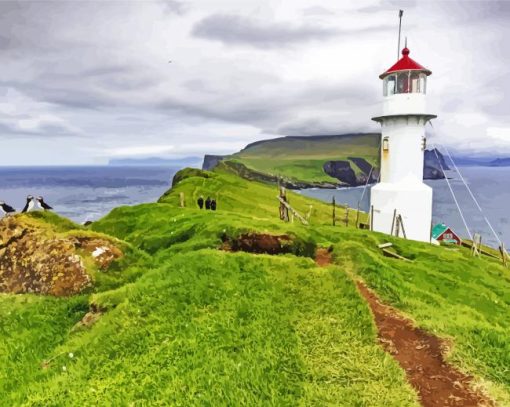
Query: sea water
[(490, 186), (84, 193)]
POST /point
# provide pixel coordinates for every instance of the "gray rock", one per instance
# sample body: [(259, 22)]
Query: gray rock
[(211, 161)]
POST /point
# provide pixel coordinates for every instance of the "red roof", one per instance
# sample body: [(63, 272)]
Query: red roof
[(405, 64)]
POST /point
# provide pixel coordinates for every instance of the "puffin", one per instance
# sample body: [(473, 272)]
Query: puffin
[(43, 204), (29, 205), (6, 209)]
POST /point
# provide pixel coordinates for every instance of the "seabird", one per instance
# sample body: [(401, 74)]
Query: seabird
[(7, 209), (29, 205), (43, 204)]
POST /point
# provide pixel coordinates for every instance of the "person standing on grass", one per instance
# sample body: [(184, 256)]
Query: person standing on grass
[(213, 205), (200, 201), (208, 203)]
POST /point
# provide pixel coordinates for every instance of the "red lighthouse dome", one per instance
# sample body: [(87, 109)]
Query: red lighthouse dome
[(406, 64), (406, 76)]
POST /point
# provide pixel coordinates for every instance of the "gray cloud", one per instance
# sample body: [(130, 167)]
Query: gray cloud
[(319, 127), (46, 130), (235, 29), (278, 106), (317, 11), (100, 70), (389, 5), (174, 7), (240, 30)]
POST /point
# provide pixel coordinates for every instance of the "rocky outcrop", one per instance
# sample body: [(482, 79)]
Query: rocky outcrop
[(433, 163), (343, 171), (432, 173), (211, 161), (35, 259), (368, 170)]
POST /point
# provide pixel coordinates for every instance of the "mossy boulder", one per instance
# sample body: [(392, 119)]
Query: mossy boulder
[(36, 258)]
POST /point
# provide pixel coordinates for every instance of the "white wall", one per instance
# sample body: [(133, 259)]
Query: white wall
[(404, 103), (401, 187), (412, 201), (404, 158)]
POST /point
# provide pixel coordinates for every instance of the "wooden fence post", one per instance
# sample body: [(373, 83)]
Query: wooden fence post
[(292, 210), (503, 254), (284, 212), (346, 215), (477, 245), (371, 220), (393, 222), (402, 226)]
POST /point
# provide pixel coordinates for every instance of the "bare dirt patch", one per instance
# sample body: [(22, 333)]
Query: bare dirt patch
[(323, 257), (421, 355), (260, 243), (90, 318)]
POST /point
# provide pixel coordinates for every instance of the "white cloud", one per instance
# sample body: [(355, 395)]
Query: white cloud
[(21, 115), (141, 150), (499, 136)]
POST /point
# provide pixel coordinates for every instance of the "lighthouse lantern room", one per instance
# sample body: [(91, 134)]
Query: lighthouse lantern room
[(401, 193)]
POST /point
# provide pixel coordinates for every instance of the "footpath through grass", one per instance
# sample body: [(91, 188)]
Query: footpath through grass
[(447, 292)]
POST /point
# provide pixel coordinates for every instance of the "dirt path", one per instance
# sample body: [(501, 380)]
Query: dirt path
[(322, 257), (420, 354)]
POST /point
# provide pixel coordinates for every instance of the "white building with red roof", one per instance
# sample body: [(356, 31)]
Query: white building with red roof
[(401, 190)]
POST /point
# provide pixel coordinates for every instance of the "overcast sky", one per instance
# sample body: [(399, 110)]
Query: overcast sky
[(82, 82)]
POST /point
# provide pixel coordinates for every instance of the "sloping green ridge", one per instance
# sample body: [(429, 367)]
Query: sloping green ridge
[(301, 159), (207, 327)]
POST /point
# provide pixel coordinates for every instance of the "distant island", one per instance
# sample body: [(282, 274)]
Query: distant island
[(157, 162), (482, 161), (332, 161)]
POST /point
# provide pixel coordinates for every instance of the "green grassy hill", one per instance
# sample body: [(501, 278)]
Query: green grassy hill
[(301, 159), (196, 325)]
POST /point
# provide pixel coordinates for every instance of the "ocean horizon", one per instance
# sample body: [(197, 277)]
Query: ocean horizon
[(87, 193)]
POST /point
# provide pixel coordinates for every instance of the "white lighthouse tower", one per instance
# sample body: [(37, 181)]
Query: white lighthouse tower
[(401, 193)]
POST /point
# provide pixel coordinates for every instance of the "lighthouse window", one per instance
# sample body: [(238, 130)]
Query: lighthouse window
[(389, 85), (403, 82), (423, 83), (415, 83)]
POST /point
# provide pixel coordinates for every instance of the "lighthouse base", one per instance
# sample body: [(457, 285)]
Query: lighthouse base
[(413, 201)]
